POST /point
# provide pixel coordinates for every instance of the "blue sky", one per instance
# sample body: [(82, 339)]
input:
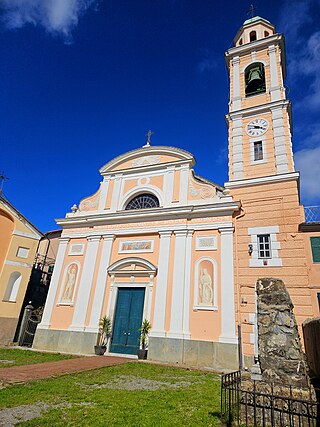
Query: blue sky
[(81, 81)]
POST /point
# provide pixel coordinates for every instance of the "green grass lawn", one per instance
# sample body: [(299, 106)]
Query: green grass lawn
[(16, 356), (134, 394)]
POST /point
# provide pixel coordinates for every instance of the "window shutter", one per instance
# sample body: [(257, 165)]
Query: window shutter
[(315, 247)]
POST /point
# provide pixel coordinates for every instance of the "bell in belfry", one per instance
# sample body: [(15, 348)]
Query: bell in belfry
[(255, 82)]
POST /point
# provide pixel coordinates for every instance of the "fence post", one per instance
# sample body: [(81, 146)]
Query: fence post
[(311, 335), (26, 316)]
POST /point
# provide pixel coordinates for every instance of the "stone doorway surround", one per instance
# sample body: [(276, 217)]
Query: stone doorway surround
[(131, 270)]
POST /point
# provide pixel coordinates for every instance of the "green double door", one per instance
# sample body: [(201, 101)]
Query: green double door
[(127, 321)]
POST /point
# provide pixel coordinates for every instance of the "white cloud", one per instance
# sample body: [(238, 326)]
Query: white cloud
[(307, 161), (57, 17), (208, 62), (303, 48)]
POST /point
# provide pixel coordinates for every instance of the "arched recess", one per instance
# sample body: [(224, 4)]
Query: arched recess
[(131, 272), (6, 230), (13, 287), (206, 284), (69, 283), (255, 80), (149, 189)]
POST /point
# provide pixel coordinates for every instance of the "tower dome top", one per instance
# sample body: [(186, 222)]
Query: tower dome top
[(255, 19), (255, 28)]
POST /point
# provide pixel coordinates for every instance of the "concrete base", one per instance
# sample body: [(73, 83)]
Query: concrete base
[(65, 341), (7, 329), (204, 354)]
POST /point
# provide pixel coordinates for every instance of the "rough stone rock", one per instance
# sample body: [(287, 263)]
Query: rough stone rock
[(280, 353)]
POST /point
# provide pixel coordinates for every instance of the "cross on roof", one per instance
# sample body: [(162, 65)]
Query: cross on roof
[(251, 10), (148, 134)]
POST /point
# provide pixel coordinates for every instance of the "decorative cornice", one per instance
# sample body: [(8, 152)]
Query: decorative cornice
[(291, 176), (258, 109), (253, 46), (157, 214)]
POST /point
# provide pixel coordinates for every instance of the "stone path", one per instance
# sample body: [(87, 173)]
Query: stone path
[(38, 371)]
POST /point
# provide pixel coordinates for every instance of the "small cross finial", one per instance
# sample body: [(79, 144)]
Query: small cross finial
[(148, 134), (2, 179), (251, 10)]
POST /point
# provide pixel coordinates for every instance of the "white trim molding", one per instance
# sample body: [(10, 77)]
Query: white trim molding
[(100, 289), (263, 180), (162, 285), (178, 288), (81, 304), (228, 312), (18, 264), (275, 260), (45, 322)]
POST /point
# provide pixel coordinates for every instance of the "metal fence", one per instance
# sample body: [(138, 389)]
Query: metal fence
[(312, 213), (256, 403), (30, 321)]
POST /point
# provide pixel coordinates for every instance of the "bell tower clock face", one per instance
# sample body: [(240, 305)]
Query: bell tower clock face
[(257, 127)]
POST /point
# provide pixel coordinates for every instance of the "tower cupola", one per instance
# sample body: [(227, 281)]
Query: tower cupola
[(255, 28)]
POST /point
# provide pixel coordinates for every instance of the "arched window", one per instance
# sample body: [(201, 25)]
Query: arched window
[(266, 34), (143, 201), (13, 287), (240, 42), (255, 81), (253, 36)]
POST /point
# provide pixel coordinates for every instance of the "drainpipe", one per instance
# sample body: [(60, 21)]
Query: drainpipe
[(242, 213)]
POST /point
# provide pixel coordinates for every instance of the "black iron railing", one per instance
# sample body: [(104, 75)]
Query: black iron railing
[(312, 214), (257, 403)]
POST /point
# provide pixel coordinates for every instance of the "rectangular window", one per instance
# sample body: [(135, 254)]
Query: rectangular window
[(315, 248), (264, 246), (22, 252), (258, 150)]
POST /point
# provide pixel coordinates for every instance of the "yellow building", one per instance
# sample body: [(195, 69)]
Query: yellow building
[(19, 242)]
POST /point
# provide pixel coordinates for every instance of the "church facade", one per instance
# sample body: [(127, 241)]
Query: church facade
[(158, 242)]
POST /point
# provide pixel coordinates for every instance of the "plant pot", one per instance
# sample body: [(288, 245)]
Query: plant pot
[(142, 353), (100, 350)]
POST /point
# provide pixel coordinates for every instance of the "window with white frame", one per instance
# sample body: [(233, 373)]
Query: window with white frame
[(257, 151), (264, 246)]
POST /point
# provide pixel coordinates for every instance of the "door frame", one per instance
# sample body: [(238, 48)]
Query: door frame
[(133, 279)]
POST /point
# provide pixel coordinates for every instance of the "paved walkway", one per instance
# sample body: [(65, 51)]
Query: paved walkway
[(61, 367)]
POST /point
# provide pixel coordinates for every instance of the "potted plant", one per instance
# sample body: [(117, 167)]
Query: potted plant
[(104, 335), (144, 332)]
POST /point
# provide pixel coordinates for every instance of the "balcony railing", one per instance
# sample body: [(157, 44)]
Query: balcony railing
[(312, 214)]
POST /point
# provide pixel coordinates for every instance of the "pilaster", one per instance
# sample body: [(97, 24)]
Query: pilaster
[(228, 318), (45, 322), (178, 288), (162, 285), (275, 90), (236, 97), (99, 295), (81, 307)]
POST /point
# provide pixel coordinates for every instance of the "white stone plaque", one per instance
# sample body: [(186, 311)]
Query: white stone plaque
[(204, 243)]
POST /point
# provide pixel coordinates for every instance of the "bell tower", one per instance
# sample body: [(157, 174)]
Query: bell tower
[(259, 118)]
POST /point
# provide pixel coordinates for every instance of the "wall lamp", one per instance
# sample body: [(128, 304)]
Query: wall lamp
[(250, 248)]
